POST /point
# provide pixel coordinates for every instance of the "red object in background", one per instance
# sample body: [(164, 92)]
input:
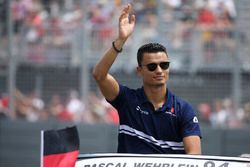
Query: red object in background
[(60, 148), (113, 116), (65, 116), (206, 17), (5, 102)]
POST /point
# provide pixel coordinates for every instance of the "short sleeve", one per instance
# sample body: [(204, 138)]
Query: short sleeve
[(189, 122), (119, 100)]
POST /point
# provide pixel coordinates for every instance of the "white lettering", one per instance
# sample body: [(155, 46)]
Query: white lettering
[(138, 108)]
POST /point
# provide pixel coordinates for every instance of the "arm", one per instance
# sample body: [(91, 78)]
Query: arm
[(190, 130), (107, 83), (192, 145)]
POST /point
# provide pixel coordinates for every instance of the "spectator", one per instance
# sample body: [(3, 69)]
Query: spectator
[(206, 23), (100, 15), (226, 115), (206, 18), (97, 108), (56, 108), (204, 110), (38, 106), (149, 27), (34, 23), (75, 107), (19, 12), (4, 106), (220, 115), (112, 116), (24, 108)]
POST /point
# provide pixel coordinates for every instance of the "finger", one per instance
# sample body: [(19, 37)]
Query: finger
[(125, 12), (123, 15), (127, 8), (132, 19)]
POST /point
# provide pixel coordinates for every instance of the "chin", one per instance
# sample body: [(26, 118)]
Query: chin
[(159, 84)]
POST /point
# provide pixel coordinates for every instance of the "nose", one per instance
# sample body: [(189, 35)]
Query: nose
[(158, 68)]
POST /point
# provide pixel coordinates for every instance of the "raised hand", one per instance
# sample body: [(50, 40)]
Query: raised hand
[(126, 23)]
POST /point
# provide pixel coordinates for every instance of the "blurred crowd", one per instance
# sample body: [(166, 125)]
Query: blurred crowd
[(32, 108), (52, 23), (221, 113), (214, 20), (224, 114), (48, 28)]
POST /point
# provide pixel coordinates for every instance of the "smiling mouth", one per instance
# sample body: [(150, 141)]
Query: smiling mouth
[(159, 77)]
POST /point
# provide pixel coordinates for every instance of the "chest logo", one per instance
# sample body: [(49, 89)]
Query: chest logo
[(171, 112), (195, 120), (138, 108)]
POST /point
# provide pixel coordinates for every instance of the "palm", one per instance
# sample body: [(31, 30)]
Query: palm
[(126, 27)]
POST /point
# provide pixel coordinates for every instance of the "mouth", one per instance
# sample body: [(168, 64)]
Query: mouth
[(159, 77)]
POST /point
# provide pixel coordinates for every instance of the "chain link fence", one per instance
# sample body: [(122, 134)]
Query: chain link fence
[(209, 64)]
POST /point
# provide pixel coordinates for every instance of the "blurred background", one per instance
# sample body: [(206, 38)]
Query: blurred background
[(49, 47)]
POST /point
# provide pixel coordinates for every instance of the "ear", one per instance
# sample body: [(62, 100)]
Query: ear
[(139, 70)]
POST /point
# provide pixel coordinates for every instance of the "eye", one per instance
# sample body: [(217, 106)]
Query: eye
[(164, 65), (151, 66)]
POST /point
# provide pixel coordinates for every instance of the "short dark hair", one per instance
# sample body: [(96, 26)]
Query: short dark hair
[(149, 48)]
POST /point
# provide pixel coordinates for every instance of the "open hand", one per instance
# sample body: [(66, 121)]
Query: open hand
[(126, 23)]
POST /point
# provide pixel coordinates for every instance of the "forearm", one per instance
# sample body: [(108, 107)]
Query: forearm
[(192, 145), (101, 69), (196, 151)]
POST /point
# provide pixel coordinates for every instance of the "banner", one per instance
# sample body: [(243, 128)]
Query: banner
[(149, 160)]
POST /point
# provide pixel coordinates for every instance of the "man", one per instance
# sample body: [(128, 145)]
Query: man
[(152, 119)]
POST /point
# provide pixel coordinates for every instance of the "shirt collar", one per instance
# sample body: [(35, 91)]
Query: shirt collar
[(168, 103), (143, 97), (169, 100)]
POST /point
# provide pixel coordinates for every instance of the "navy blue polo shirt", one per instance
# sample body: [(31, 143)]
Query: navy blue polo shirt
[(145, 130)]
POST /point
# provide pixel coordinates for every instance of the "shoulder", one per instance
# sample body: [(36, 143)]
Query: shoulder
[(183, 107), (178, 101), (127, 90), (183, 103), (126, 97), (126, 93)]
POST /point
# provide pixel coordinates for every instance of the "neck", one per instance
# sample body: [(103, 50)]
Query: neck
[(156, 95)]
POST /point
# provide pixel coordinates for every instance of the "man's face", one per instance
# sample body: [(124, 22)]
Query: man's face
[(153, 69)]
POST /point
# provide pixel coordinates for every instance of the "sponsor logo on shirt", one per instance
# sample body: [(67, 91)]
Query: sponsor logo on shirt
[(195, 120), (138, 108), (171, 112)]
